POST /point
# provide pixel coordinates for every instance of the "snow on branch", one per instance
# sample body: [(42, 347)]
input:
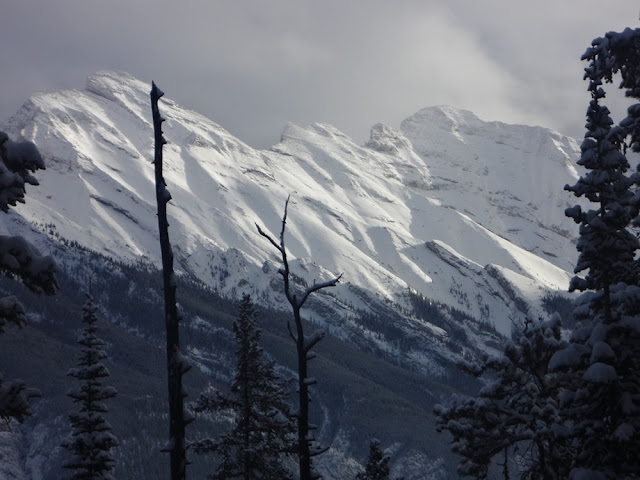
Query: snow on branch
[(17, 256), (18, 161), (21, 259), (11, 311), (319, 286), (15, 399)]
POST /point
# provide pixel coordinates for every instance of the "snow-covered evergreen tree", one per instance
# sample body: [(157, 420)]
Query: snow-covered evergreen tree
[(606, 246), (18, 258), (514, 412), (601, 364), (377, 466), (263, 433), (91, 439)]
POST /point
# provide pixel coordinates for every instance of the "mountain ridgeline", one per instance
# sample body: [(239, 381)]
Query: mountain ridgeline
[(447, 233)]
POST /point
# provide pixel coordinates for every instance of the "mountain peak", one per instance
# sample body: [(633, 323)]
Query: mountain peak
[(467, 213), (113, 81), (447, 117), (486, 190), (115, 86), (387, 140)]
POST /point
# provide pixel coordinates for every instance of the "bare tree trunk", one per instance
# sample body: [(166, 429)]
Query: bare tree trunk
[(306, 443), (176, 366), (505, 465)]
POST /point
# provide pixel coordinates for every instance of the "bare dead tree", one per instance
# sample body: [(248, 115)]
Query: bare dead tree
[(176, 365), (307, 445)]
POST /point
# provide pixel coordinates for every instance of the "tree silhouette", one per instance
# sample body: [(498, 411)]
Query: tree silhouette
[(18, 258), (377, 466), (264, 430), (177, 366), (91, 438), (601, 364), (517, 409), (307, 445)]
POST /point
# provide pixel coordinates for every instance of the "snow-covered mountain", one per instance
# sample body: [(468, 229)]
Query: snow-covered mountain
[(468, 214), (465, 212)]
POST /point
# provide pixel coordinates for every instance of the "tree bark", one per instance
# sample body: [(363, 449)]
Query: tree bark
[(176, 366)]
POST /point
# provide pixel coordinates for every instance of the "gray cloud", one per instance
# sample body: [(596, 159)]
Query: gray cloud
[(254, 65)]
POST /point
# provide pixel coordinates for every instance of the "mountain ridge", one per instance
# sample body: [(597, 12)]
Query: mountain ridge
[(449, 231), (375, 206)]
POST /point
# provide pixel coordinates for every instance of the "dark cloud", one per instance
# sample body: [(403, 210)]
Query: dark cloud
[(254, 65)]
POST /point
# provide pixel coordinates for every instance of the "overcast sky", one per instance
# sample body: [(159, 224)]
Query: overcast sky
[(252, 66)]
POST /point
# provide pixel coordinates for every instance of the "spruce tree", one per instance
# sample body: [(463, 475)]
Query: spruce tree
[(377, 466), (91, 439), (263, 433), (19, 259), (601, 364), (517, 409)]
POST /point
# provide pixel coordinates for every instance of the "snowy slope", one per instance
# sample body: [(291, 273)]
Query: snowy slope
[(508, 178), (463, 211)]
